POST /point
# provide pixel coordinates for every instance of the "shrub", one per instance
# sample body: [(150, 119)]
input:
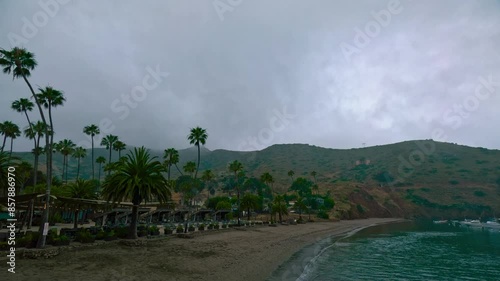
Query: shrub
[(121, 232), (29, 240), (211, 226), (142, 232), (479, 193), (62, 240), (179, 229), (453, 182), (201, 227), (324, 215), (84, 236), (110, 236), (191, 228), (360, 208), (51, 235), (216, 226), (153, 230), (100, 235), (4, 246)]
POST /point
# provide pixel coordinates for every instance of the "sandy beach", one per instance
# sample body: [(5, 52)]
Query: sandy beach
[(248, 253)]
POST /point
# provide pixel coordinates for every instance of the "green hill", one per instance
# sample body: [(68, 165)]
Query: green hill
[(412, 178)]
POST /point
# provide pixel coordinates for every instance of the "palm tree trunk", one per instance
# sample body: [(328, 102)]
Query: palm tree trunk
[(45, 217), (239, 206), (67, 166), (248, 213), (11, 145), (132, 234), (179, 170), (35, 169), (92, 137), (4, 139), (168, 174), (78, 169), (109, 161), (198, 166), (100, 166), (75, 225)]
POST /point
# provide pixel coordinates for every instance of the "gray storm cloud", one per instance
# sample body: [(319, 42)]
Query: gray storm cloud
[(342, 74)]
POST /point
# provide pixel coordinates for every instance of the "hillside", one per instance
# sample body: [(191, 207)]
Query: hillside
[(412, 178)]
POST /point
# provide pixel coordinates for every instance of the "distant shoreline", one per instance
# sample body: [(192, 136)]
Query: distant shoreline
[(249, 253)]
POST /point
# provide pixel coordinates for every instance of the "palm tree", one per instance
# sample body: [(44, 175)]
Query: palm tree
[(236, 167), (171, 157), (279, 206), (92, 130), (35, 132), (197, 136), (267, 179), (2, 133), (300, 206), (20, 63), (208, 177), (79, 153), (250, 202), (65, 147), (119, 146), (11, 131), (108, 141), (290, 174), (23, 105), (137, 179), (80, 189), (100, 160), (189, 168)]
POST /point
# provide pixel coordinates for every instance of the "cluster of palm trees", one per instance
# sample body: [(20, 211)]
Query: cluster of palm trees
[(136, 177)]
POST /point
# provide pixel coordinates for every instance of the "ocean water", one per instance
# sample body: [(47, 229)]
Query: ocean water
[(401, 251)]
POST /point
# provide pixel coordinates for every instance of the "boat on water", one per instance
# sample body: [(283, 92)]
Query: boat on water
[(471, 223), (441, 222)]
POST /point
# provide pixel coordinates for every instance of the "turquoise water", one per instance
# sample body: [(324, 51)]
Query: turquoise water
[(402, 251)]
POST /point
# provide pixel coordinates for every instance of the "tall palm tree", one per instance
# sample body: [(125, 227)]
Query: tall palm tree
[(119, 146), (236, 167), (2, 133), (65, 147), (36, 132), (171, 157), (23, 105), (137, 179), (20, 63), (7, 127), (197, 136), (291, 174), (267, 179), (11, 131), (80, 189), (109, 141), (208, 177), (189, 168), (100, 160), (79, 153), (51, 98), (92, 130), (315, 186)]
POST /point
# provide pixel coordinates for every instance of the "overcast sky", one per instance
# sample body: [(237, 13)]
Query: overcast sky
[(255, 73)]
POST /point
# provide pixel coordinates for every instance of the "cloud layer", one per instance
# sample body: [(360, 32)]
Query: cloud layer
[(256, 73)]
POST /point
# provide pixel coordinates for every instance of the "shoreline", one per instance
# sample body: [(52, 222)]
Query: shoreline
[(309, 253), (251, 253)]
